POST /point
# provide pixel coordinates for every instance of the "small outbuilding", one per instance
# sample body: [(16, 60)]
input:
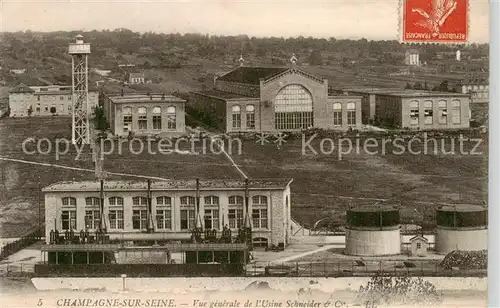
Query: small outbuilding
[(419, 246)]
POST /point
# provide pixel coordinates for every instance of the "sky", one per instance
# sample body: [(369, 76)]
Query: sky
[(371, 19)]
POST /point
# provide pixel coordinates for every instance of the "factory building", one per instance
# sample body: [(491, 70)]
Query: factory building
[(461, 227), (161, 211), (412, 57), (271, 99), (414, 109), (54, 100), (477, 88), (373, 231), (145, 114)]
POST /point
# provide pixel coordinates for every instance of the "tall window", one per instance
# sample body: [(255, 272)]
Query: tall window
[(115, 214), (351, 113), (236, 117), (414, 113), (68, 214), (142, 121), (61, 108), (443, 112), (428, 112), (171, 118), (157, 118), (235, 212), (250, 111), (139, 218), (187, 212), (163, 212), (337, 114), (293, 108), (211, 216), (116, 219), (456, 113), (127, 119), (92, 212), (259, 212)]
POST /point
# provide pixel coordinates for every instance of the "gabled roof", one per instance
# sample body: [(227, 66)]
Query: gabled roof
[(416, 237), (252, 75), (136, 75), (22, 88)]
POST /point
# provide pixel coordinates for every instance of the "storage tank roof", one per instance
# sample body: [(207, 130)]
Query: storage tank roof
[(462, 208), (373, 208)]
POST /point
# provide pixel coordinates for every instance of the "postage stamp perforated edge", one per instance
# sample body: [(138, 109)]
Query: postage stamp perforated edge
[(429, 42)]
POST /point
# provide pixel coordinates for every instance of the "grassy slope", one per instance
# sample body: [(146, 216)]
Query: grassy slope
[(19, 192)]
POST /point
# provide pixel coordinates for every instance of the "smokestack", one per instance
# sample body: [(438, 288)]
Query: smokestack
[(150, 223), (102, 225)]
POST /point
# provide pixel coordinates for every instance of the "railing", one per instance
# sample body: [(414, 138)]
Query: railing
[(27, 240), (360, 268)]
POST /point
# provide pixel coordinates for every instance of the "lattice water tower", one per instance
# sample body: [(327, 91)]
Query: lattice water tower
[(79, 52)]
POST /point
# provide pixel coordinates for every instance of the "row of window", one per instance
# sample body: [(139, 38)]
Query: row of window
[(164, 214), (442, 116), (164, 200), (142, 119), (236, 116)]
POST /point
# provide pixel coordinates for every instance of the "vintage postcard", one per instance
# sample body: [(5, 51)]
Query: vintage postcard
[(249, 154)]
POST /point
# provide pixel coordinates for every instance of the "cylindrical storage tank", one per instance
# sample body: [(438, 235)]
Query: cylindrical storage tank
[(373, 231), (461, 227)]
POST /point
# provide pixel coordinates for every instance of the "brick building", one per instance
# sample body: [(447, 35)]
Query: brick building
[(51, 100), (171, 209), (275, 99), (414, 109), (144, 114)]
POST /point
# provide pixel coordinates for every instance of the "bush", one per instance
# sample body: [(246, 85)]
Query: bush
[(386, 290), (466, 259)]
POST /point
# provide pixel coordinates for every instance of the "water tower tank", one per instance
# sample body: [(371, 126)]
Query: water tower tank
[(373, 231), (461, 227)]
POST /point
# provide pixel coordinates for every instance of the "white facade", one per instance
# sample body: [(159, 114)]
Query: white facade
[(468, 239), (374, 242), (412, 58), (76, 206)]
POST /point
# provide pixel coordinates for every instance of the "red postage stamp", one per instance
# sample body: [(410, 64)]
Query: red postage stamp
[(434, 21)]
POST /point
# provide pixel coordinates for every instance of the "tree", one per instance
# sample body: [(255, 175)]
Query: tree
[(100, 121), (443, 86), (418, 86), (408, 86), (30, 111), (315, 58), (53, 110)]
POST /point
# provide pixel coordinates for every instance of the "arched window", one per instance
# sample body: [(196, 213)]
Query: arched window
[(456, 112), (171, 118), (163, 201), (187, 212), (69, 201), (414, 114), (127, 110), (250, 116), (235, 212), (337, 114), (428, 112), (116, 201), (293, 108), (142, 121), (236, 117), (259, 212), (443, 112), (92, 201), (68, 213), (157, 118), (139, 201)]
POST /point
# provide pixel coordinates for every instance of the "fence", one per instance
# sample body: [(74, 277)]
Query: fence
[(27, 240), (361, 268), (16, 269)]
